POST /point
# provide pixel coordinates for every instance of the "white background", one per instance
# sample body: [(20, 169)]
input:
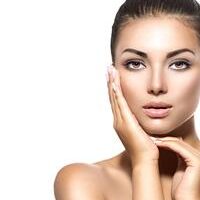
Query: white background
[(54, 108)]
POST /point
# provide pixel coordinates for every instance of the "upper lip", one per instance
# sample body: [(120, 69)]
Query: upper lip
[(157, 105)]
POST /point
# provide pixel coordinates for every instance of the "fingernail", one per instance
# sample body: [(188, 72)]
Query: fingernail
[(158, 141), (153, 138), (113, 72), (109, 69), (107, 76)]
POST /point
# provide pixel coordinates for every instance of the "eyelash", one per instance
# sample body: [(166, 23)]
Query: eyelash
[(177, 63)]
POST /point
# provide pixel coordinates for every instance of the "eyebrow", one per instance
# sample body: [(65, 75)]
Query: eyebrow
[(169, 55)]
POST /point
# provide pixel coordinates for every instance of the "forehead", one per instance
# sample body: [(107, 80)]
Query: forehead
[(156, 35)]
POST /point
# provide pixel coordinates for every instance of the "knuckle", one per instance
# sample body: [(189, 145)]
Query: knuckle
[(117, 126)]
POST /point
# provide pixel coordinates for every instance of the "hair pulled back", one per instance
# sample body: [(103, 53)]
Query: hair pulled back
[(188, 11)]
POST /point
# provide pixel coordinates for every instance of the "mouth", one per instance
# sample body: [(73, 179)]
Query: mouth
[(155, 109), (157, 112)]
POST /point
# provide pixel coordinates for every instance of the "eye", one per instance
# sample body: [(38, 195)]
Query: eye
[(134, 65), (181, 65), (137, 65)]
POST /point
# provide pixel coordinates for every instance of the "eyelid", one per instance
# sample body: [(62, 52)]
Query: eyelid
[(183, 60), (142, 61), (133, 60)]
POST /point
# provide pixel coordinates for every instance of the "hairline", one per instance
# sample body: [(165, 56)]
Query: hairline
[(184, 19)]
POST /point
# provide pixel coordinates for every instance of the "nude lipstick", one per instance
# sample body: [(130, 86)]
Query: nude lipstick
[(157, 109)]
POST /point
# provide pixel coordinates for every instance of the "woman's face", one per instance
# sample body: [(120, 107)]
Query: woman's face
[(157, 74)]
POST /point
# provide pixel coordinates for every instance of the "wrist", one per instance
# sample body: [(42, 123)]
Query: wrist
[(144, 163), (146, 177)]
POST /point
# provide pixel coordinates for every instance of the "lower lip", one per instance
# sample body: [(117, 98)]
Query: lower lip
[(157, 113)]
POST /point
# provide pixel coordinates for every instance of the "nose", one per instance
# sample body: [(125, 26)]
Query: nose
[(157, 83)]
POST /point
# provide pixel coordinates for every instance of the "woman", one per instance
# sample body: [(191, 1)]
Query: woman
[(154, 90)]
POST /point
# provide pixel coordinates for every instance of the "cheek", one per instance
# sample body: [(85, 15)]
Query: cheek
[(187, 92), (133, 90)]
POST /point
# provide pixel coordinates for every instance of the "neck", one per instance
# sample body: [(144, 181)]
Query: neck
[(167, 158)]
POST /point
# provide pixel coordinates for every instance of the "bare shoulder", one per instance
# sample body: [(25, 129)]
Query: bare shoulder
[(78, 181), (106, 179)]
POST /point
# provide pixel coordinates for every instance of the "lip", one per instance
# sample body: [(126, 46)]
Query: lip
[(153, 104), (157, 109), (157, 112)]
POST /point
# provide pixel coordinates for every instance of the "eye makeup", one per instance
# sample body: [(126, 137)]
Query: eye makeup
[(138, 64)]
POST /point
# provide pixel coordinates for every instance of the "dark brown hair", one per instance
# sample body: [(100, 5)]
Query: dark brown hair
[(188, 11)]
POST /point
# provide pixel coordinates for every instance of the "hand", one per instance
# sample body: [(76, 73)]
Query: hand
[(186, 180), (137, 143)]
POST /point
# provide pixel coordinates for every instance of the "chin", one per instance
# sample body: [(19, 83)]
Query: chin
[(158, 129)]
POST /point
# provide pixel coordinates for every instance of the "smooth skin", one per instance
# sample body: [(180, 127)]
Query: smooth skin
[(161, 160)]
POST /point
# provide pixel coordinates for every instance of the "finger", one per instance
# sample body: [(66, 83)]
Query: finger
[(170, 138), (124, 109), (116, 106), (180, 139), (114, 94), (110, 91), (117, 79), (190, 155), (123, 106), (153, 139), (108, 84)]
